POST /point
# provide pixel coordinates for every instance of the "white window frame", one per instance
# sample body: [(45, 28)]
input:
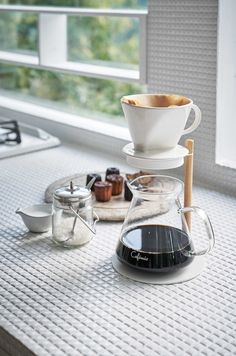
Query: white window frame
[(71, 128), (52, 53), (226, 85)]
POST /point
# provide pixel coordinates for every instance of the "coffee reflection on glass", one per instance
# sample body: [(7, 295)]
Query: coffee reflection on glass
[(157, 121)]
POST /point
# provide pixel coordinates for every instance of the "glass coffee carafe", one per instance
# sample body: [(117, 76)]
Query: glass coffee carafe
[(155, 236)]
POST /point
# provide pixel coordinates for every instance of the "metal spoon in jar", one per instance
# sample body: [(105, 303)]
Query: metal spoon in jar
[(88, 186)]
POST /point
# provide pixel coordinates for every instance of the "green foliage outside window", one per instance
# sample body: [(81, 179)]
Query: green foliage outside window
[(100, 39)]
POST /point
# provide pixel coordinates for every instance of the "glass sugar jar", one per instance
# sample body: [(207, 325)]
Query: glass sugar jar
[(73, 218)]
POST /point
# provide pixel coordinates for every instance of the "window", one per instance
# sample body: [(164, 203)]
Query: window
[(226, 85), (81, 60)]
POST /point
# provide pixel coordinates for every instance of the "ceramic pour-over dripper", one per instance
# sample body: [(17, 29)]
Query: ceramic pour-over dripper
[(157, 121)]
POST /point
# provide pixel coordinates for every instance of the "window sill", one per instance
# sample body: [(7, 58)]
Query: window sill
[(226, 163), (68, 127)]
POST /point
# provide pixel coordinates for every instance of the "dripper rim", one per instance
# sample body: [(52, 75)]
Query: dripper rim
[(122, 100)]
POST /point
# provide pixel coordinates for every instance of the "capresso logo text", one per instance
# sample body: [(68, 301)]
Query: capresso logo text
[(137, 256)]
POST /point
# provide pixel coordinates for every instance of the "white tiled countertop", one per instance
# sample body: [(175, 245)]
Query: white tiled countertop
[(55, 301)]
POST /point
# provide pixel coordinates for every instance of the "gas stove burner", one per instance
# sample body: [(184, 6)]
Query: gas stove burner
[(10, 132)]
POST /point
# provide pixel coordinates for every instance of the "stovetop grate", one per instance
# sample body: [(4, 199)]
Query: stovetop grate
[(17, 138), (10, 132)]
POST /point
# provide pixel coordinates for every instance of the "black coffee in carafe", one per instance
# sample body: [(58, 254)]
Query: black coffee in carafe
[(155, 248)]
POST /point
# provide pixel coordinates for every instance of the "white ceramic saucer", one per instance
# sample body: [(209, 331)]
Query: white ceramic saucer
[(184, 274), (172, 158)]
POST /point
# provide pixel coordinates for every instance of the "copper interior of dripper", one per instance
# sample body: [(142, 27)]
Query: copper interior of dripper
[(156, 100)]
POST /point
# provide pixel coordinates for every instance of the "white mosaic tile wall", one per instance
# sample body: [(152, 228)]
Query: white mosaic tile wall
[(182, 55)]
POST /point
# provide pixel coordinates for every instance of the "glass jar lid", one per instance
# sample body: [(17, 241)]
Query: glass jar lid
[(71, 194)]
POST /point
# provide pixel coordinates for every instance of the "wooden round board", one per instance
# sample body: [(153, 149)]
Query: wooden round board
[(113, 210)]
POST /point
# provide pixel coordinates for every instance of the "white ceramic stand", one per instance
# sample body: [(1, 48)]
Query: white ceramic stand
[(168, 159), (184, 274)]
